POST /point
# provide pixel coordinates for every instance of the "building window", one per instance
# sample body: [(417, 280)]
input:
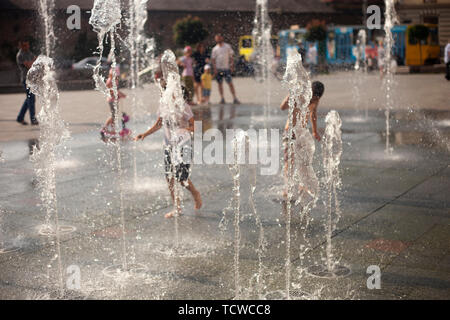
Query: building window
[(430, 19)]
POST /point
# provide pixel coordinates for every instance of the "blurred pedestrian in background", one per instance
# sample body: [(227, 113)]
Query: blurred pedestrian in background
[(25, 59), (380, 58), (447, 60), (223, 66), (311, 58), (206, 84), (201, 58), (187, 63)]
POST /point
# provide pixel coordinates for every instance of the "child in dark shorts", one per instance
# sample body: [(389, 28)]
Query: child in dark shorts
[(176, 149)]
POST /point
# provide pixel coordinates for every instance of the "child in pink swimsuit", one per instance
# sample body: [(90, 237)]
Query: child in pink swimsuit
[(111, 99)]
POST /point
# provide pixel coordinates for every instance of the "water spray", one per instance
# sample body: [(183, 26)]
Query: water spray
[(263, 50)]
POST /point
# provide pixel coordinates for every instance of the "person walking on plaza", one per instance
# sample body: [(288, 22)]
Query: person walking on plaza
[(223, 66), (380, 58), (25, 59), (447, 60), (312, 58), (187, 63), (201, 58)]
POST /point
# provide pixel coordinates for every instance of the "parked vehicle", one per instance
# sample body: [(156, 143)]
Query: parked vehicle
[(246, 46), (428, 52), (341, 45), (243, 63)]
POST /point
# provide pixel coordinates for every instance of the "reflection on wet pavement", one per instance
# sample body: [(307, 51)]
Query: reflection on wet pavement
[(87, 197)]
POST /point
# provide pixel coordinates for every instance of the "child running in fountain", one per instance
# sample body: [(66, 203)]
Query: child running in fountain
[(110, 122), (172, 147), (317, 89), (108, 134), (206, 84)]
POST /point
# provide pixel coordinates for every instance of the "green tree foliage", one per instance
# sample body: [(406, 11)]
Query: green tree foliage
[(189, 31), (418, 33), (316, 30)]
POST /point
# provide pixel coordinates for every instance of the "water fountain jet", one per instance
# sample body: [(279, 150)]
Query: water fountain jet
[(105, 17), (171, 109), (263, 50), (301, 183), (390, 19), (331, 154), (262, 244), (137, 42), (41, 80)]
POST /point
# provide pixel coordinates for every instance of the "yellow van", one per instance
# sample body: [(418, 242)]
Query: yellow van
[(246, 46), (427, 53)]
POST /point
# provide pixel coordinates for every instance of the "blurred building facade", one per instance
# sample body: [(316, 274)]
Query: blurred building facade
[(427, 11), (409, 12), (232, 18)]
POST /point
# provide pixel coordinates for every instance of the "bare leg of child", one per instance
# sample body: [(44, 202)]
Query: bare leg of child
[(195, 195), (109, 122), (171, 183)]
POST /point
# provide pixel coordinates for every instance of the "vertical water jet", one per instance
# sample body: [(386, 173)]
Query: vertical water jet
[(296, 78), (41, 79), (390, 19), (262, 245), (138, 43), (332, 183), (105, 16), (171, 110), (262, 55)]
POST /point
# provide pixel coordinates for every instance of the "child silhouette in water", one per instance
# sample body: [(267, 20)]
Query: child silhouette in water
[(298, 158), (112, 100), (176, 143)]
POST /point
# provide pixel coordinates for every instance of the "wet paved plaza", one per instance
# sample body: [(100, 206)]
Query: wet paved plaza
[(395, 215)]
